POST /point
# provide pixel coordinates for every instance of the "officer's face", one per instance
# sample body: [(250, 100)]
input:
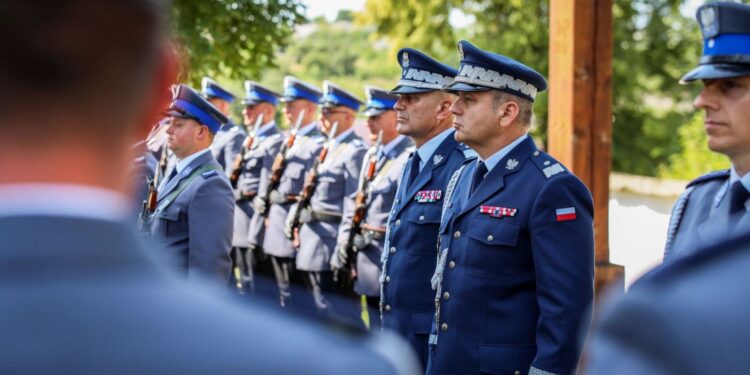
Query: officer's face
[(726, 103), (329, 115), (250, 114), (416, 114), (385, 121), (292, 110), (475, 118), (184, 136)]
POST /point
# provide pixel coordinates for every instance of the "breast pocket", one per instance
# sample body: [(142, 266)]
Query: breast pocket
[(423, 221), (169, 220), (330, 186), (293, 176), (492, 252)]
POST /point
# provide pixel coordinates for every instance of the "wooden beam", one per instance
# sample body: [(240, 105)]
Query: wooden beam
[(580, 107)]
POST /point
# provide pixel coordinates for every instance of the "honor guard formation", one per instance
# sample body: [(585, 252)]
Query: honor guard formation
[(443, 241)]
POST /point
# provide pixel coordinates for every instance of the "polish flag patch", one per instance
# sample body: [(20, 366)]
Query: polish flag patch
[(566, 214)]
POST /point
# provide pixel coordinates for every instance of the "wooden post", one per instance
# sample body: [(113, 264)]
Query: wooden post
[(580, 107)]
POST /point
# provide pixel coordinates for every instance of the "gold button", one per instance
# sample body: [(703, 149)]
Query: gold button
[(421, 218), (446, 296), (490, 238), (457, 234), (388, 279), (444, 327), (387, 307), (451, 264), (393, 250)]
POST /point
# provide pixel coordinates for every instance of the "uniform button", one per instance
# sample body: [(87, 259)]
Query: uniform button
[(444, 327), (451, 264), (421, 218), (393, 250), (446, 296), (396, 201), (536, 153), (457, 234), (387, 307), (517, 372), (398, 222), (388, 279), (490, 238)]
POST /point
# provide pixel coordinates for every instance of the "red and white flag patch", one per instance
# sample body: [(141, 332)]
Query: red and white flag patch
[(566, 214)]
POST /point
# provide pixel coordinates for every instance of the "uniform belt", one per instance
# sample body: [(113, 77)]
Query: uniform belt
[(374, 232), (282, 199), (247, 196), (326, 216)]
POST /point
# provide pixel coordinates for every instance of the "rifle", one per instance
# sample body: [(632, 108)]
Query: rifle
[(311, 183), (279, 165), (360, 206), (239, 160), (149, 204)]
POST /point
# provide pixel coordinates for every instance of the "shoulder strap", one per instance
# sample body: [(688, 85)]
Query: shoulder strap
[(184, 185)]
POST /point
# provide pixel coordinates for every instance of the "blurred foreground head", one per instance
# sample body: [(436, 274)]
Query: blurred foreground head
[(81, 81)]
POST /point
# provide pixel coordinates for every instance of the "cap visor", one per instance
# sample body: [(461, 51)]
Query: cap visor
[(716, 71), (369, 112), (460, 86), (409, 90), (251, 102), (175, 113)]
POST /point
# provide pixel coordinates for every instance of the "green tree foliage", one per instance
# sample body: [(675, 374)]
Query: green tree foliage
[(232, 38), (653, 46), (695, 159)]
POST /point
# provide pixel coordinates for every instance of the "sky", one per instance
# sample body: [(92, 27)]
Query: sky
[(329, 8)]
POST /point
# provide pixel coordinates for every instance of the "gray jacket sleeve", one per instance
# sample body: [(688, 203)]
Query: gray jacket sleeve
[(210, 222)]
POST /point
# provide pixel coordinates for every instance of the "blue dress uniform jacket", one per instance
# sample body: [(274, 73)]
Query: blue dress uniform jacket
[(515, 278), (196, 227), (299, 159), (698, 214), (410, 251), (690, 316), (258, 162), (382, 194), (337, 180), (227, 144), (88, 297)]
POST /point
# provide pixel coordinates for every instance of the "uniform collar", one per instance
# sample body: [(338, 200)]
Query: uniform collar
[(387, 149), (182, 164), (265, 128), (307, 128), (492, 161), (427, 149), (339, 138), (66, 200)]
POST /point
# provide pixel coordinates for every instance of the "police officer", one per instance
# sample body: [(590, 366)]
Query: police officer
[(337, 179), (379, 192), (195, 204), (423, 114), (260, 105), (228, 141), (515, 276), (717, 202), (300, 99)]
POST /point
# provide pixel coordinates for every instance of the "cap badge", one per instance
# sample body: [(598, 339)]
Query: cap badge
[(709, 22), (405, 60)]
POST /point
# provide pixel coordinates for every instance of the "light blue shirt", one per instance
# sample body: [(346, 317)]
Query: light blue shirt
[(307, 128), (425, 152), (341, 136), (265, 128), (492, 161), (182, 164), (387, 149)]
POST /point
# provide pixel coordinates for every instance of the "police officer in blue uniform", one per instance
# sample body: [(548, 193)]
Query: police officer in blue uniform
[(715, 204), (337, 179), (380, 191), (260, 105), (423, 114), (195, 205), (228, 140), (300, 99), (515, 277)]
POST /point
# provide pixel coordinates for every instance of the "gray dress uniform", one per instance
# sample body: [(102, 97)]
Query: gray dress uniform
[(337, 179), (193, 219), (227, 144), (382, 194), (251, 182)]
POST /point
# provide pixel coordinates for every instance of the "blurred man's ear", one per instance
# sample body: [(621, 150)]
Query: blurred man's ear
[(159, 90)]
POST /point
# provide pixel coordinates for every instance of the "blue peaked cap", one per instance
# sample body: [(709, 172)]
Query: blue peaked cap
[(187, 103), (211, 89), (295, 89), (336, 96), (482, 70), (726, 42), (256, 93), (421, 73), (378, 101)]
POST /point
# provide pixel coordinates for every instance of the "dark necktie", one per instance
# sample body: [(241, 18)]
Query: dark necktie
[(414, 168), (478, 175), (738, 195)]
